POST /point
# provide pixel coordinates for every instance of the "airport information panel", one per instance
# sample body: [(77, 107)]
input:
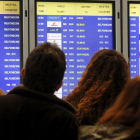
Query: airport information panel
[(79, 29), (134, 39), (9, 44)]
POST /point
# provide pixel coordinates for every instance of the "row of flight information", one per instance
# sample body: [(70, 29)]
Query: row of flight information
[(79, 29)]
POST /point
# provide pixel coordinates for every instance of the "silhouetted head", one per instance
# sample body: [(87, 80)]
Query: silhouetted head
[(104, 78), (44, 68)]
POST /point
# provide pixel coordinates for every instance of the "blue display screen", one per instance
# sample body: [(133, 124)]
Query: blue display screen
[(134, 39), (79, 36), (9, 45)]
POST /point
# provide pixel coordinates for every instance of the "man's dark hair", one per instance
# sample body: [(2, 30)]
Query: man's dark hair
[(45, 68)]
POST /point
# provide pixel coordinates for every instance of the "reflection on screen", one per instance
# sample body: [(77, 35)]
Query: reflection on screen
[(79, 29), (9, 45)]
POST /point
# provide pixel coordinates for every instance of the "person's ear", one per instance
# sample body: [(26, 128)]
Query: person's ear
[(22, 72), (59, 86)]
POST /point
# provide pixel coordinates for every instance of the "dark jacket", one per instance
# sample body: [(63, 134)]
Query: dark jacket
[(27, 114), (107, 132)]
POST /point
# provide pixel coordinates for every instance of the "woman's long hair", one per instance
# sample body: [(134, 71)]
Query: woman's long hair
[(104, 78), (126, 109), (2, 92)]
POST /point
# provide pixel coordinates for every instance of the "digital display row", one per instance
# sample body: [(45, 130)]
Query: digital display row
[(79, 29), (9, 44)]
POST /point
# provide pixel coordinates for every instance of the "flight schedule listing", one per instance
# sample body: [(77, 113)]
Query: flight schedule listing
[(9, 45), (79, 29), (134, 39)]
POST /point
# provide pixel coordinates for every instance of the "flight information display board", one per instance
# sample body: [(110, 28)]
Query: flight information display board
[(134, 39), (79, 29), (9, 44)]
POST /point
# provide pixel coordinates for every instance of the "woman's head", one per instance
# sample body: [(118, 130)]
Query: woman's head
[(105, 65), (126, 109), (104, 78)]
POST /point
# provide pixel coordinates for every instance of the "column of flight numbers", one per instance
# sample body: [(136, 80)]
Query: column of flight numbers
[(12, 50), (68, 42), (64, 48), (72, 52), (133, 45)]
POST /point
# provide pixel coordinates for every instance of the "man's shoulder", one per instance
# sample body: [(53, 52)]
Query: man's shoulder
[(4, 98), (48, 102)]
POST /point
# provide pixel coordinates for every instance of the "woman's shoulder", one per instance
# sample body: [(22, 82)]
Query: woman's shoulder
[(106, 131)]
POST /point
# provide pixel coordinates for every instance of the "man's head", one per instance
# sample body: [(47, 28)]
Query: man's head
[(44, 69)]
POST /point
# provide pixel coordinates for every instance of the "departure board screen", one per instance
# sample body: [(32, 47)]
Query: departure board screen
[(79, 29), (9, 44), (134, 39)]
